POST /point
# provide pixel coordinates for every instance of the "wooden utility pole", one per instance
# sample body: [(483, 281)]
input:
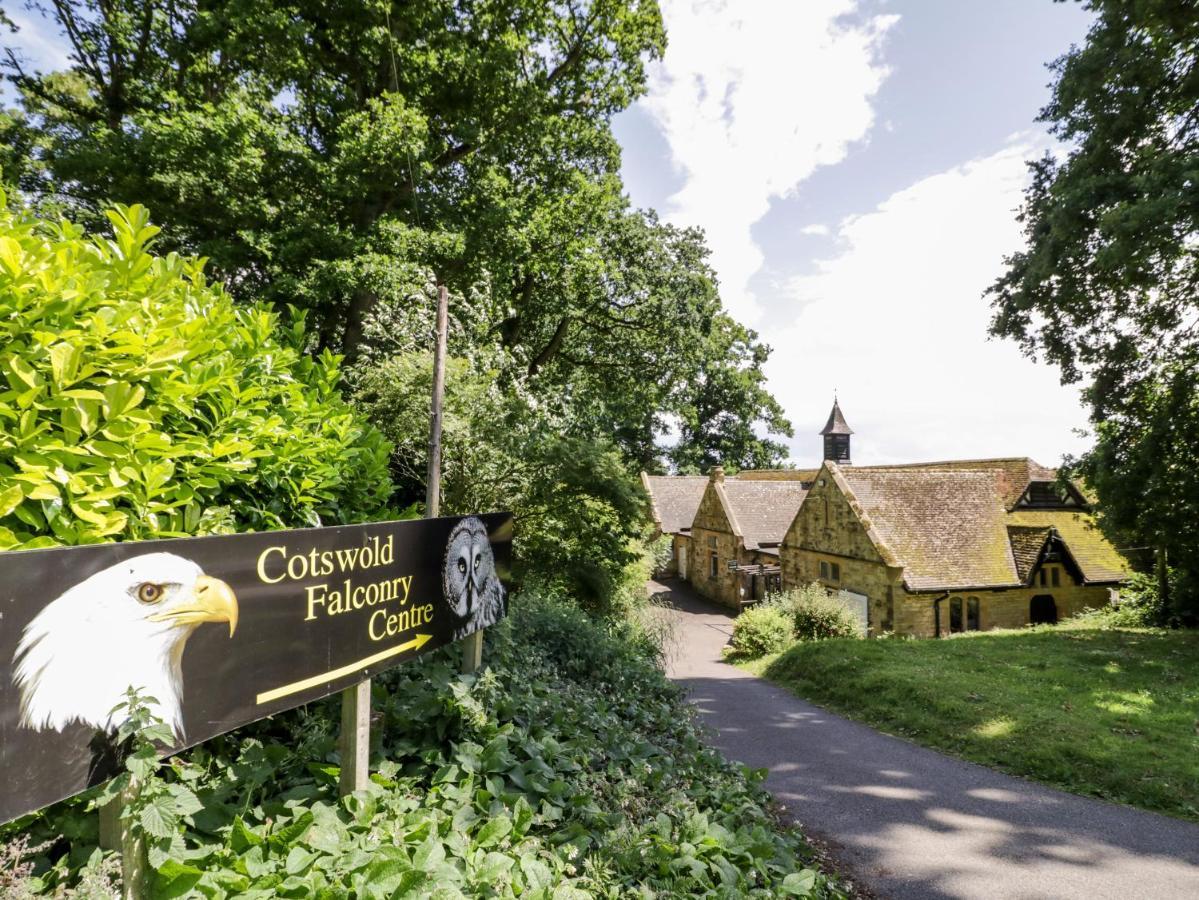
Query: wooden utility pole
[(472, 645), (433, 489)]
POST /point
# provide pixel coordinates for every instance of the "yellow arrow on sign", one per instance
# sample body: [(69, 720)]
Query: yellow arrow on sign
[(296, 686)]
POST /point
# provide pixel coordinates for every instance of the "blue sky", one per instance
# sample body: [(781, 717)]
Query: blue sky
[(857, 166)]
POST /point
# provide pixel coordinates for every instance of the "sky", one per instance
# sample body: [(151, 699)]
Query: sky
[(857, 166)]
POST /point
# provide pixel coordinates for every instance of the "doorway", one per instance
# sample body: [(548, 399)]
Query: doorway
[(1042, 610)]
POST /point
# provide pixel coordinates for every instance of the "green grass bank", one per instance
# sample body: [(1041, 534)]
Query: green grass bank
[(1110, 713)]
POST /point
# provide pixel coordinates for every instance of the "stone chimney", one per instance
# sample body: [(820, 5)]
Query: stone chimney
[(717, 475)]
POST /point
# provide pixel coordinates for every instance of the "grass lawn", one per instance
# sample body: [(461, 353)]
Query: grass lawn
[(1111, 714)]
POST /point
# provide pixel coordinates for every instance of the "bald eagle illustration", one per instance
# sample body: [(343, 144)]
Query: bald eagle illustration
[(124, 626)]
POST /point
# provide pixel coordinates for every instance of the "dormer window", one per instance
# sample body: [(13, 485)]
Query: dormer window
[(1049, 495)]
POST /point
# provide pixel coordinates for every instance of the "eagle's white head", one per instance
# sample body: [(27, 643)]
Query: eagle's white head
[(125, 626)]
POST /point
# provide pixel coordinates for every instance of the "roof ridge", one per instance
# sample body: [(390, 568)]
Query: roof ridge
[(945, 462)]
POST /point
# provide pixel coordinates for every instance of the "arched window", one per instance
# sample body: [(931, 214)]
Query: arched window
[(955, 615), (972, 620)]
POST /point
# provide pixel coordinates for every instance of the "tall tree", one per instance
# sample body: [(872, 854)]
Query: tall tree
[(1106, 286)]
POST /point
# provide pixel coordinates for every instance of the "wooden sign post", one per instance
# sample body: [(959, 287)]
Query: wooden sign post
[(472, 644)]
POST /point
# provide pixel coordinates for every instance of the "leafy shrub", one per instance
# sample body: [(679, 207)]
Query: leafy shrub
[(1140, 606), (137, 401), (817, 615), (761, 629), (570, 768), (580, 511)]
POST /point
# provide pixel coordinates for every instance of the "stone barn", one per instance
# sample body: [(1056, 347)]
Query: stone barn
[(933, 549), (674, 500), (741, 521)]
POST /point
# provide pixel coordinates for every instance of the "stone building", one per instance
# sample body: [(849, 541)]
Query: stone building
[(741, 521), (937, 548), (673, 501)]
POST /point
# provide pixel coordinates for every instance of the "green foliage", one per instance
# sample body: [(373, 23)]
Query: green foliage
[(579, 511), (342, 159), (817, 615), (761, 629), (570, 768), (1102, 712), (1106, 285), (137, 401), (1140, 606), (728, 399)]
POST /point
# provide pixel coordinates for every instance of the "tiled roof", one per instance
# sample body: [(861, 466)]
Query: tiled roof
[(762, 510), (675, 499), (946, 528), (1016, 472), (777, 474), (1027, 543), (1099, 561), (836, 422), (949, 527)]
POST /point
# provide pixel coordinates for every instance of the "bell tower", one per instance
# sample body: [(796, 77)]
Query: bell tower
[(836, 436)]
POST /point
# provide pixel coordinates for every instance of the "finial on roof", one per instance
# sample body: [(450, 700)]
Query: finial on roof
[(836, 421)]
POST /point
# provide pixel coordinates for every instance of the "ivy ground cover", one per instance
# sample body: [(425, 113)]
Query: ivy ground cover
[(569, 768)]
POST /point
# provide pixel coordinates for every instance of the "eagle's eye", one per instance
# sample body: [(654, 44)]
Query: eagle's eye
[(147, 592), (461, 565)]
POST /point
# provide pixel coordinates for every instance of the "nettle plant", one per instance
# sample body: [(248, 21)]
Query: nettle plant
[(137, 401)]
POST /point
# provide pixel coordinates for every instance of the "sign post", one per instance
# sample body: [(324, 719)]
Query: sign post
[(354, 741), (472, 644)]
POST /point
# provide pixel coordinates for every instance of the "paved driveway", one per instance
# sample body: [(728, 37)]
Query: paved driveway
[(910, 822)]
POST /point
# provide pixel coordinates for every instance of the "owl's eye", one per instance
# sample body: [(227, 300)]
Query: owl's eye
[(148, 592), (477, 559), (461, 565)]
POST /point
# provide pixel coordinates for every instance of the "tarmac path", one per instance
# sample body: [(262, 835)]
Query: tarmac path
[(909, 822)]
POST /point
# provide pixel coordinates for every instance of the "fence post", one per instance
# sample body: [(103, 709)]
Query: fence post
[(354, 741)]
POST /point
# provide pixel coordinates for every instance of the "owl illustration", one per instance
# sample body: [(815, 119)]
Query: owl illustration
[(472, 588)]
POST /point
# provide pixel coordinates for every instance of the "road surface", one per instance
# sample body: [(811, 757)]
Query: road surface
[(910, 822)]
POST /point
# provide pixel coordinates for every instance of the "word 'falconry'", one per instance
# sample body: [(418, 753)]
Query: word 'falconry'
[(123, 627)]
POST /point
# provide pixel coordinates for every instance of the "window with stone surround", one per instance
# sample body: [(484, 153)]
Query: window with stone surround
[(713, 564), (830, 571), (955, 615), (972, 614)]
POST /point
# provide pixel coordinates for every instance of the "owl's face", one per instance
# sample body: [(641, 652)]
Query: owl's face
[(469, 567)]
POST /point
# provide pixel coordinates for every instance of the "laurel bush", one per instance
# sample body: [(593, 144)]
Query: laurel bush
[(816, 614), (137, 401), (762, 629)]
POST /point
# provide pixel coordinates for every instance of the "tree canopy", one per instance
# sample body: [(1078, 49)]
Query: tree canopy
[(343, 157), (1106, 286)]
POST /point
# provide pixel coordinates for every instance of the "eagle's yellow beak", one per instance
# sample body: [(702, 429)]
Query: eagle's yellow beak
[(212, 601)]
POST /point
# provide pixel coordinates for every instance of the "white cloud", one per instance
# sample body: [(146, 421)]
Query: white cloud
[(816, 230), (897, 324), (752, 97), (37, 42)]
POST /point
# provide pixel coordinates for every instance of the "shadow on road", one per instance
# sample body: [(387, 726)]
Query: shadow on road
[(909, 821)]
